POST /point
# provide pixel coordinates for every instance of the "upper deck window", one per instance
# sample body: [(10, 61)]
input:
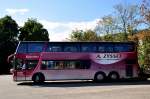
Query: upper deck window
[(54, 48), (115, 47), (62, 47), (22, 48), (35, 47), (124, 48), (88, 48), (71, 48), (100, 47), (105, 48), (30, 47)]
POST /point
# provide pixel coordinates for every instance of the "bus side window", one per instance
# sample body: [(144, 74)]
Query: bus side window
[(88, 48), (70, 48), (85, 64), (101, 49), (22, 48), (18, 64), (54, 49), (130, 48), (31, 64), (35, 47), (50, 65), (109, 49), (123, 48), (44, 65), (118, 48)]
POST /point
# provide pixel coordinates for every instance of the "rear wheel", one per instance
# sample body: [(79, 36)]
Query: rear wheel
[(113, 76), (99, 76), (38, 78)]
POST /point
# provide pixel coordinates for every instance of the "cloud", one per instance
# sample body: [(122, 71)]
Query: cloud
[(16, 11), (59, 31)]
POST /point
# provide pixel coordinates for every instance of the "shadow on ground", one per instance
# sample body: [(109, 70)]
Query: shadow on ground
[(85, 83)]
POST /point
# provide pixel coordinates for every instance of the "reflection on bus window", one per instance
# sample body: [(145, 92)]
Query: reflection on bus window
[(67, 64), (54, 48), (71, 48), (25, 47), (101, 49), (18, 64), (31, 64), (124, 48), (88, 48), (35, 47), (22, 48), (28, 64), (113, 48)]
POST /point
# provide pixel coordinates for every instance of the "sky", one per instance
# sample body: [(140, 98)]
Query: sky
[(60, 17)]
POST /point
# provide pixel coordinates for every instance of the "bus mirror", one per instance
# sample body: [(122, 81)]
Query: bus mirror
[(10, 57), (11, 71)]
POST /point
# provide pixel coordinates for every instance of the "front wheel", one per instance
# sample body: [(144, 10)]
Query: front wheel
[(38, 78)]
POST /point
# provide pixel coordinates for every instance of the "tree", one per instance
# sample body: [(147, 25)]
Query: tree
[(33, 31), (76, 35), (146, 45), (128, 19), (8, 29), (80, 35), (8, 34), (145, 11), (90, 35), (106, 27)]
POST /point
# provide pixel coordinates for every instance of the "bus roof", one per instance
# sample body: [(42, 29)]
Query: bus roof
[(75, 42)]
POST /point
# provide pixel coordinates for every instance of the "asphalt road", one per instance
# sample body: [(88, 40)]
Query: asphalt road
[(73, 90)]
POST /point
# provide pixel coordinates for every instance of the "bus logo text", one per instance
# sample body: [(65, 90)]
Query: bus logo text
[(108, 56)]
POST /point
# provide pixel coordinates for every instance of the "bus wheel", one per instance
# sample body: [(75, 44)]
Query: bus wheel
[(38, 78), (113, 76), (99, 76)]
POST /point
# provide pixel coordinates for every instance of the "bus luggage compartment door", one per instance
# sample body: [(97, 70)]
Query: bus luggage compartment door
[(129, 70)]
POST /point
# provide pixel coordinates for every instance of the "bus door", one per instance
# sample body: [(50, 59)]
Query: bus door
[(20, 69), (29, 68), (129, 70)]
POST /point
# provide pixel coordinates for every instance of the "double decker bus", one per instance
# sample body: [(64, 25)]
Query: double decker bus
[(98, 61)]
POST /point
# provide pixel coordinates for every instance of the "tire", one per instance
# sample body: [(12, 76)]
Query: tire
[(99, 77), (113, 76), (38, 78)]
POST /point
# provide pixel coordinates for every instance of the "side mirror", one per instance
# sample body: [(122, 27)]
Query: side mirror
[(11, 71)]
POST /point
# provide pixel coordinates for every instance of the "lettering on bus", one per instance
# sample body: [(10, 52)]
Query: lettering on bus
[(108, 56), (31, 56)]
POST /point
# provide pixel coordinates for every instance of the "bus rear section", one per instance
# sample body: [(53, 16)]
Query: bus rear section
[(96, 61)]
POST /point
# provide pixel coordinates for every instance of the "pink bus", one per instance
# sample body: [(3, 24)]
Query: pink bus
[(98, 61)]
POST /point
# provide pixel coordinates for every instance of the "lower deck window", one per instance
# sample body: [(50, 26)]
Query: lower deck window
[(25, 64), (31, 64), (66, 64)]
